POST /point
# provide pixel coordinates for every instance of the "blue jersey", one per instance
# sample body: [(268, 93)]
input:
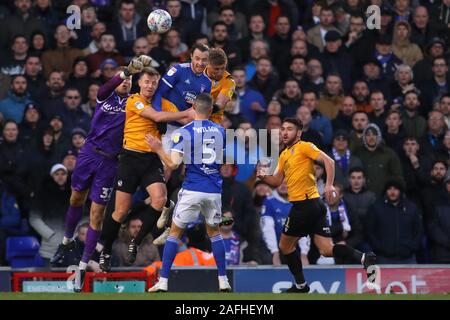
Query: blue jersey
[(179, 87), (232, 249), (202, 143), (278, 209)]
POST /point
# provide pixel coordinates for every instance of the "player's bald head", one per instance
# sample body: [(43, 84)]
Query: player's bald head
[(203, 104)]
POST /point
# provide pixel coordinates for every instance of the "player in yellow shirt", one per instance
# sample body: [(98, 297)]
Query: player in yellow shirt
[(308, 212), (139, 165), (223, 85)]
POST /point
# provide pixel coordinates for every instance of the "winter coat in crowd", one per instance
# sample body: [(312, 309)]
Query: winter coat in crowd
[(439, 229), (380, 165), (409, 53), (13, 106), (394, 231), (48, 212), (237, 196)]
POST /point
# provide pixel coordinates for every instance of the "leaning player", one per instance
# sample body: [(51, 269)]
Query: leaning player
[(199, 145), (139, 165), (308, 213), (223, 85), (97, 161), (180, 86), (177, 90)]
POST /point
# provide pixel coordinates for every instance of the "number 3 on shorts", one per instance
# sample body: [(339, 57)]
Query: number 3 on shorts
[(106, 193)]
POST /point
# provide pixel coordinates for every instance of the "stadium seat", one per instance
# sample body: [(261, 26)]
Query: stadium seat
[(23, 252)]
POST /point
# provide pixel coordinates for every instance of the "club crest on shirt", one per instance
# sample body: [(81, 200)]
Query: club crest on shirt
[(176, 137), (171, 71), (139, 105)]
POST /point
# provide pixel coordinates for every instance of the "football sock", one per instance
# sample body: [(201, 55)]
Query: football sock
[(99, 247), (218, 249), (295, 266), (73, 216), (82, 265), (109, 233), (347, 253), (148, 216), (92, 237), (170, 251)]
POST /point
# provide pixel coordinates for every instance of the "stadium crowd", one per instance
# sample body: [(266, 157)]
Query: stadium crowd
[(377, 100)]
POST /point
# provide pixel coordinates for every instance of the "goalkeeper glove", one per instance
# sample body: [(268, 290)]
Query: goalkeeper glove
[(135, 66), (145, 60)]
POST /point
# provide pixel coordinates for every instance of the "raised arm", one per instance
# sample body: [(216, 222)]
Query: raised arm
[(163, 88), (274, 180), (330, 191), (167, 82), (108, 88), (165, 116), (173, 161), (135, 66)]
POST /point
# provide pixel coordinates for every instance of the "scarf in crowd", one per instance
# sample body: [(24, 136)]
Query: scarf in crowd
[(343, 161), (384, 59), (339, 216)]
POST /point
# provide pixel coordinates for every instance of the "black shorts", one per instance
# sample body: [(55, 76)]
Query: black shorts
[(307, 217), (136, 169)]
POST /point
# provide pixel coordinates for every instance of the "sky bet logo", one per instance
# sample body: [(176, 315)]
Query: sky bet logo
[(74, 20)]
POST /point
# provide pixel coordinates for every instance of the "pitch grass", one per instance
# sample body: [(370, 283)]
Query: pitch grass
[(215, 296)]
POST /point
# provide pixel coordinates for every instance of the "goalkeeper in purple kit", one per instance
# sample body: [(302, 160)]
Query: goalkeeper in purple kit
[(97, 163)]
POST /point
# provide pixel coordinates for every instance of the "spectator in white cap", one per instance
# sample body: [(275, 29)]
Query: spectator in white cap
[(48, 208)]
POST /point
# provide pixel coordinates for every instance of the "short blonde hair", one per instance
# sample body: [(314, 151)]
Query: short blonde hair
[(404, 67)]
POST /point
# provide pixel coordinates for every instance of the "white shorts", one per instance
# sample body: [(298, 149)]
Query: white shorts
[(167, 138), (191, 203)]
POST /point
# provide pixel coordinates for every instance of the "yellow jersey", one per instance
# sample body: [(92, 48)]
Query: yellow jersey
[(136, 127), (225, 86), (297, 163)]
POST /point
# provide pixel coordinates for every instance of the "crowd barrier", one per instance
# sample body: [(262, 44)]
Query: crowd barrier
[(412, 279)]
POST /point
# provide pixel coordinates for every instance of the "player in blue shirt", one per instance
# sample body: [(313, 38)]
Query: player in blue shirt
[(179, 87), (199, 145), (274, 213), (177, 91)]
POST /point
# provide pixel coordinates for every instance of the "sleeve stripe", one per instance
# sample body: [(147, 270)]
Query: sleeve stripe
[(176, 150), (167, 82)]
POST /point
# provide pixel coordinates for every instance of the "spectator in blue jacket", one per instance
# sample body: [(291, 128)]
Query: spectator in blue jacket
[(231, 240), (319, 122), (13, 106), (343, 158), (394, 227), (251, 102), (274, 213)]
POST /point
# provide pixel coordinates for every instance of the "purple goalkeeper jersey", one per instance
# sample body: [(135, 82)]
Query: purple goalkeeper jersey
[(108, 121)]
